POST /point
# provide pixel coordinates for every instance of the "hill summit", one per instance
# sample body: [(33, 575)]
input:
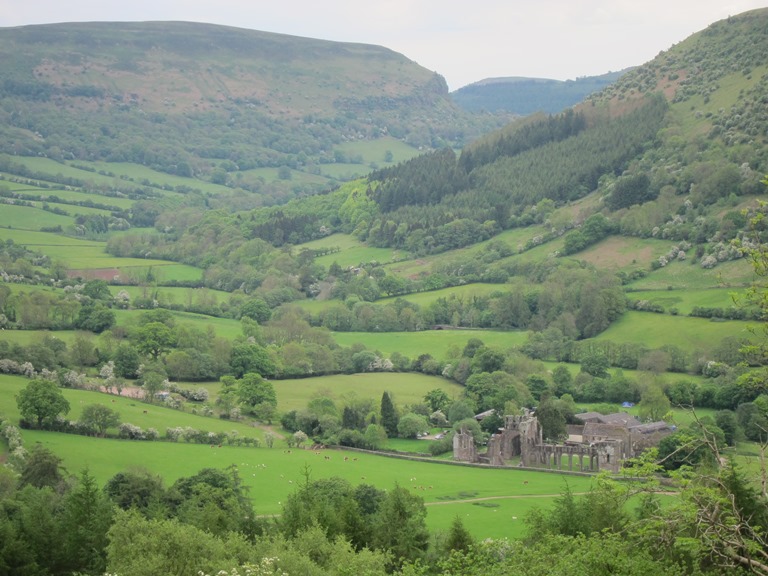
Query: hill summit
[(183, 97)]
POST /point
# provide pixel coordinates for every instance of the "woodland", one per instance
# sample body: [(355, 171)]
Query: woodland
[(175, 268)]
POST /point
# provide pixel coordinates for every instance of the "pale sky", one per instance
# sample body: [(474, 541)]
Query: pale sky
[(465, 41)]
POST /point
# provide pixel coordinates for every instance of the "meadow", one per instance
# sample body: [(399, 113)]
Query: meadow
[(173, 295), (131, 409), (684, 301), (272, 474), (689, 334), (438, 343), (351, 252), (404, 388)]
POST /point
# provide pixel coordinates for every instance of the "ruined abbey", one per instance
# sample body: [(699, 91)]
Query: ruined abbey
[(601, 443)]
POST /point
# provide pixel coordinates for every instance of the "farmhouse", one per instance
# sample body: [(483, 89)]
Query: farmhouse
[(601, 443)]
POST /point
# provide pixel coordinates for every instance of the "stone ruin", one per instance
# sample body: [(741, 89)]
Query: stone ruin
[(600, 446)]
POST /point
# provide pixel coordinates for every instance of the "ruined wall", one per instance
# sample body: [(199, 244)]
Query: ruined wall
[(464, 447)]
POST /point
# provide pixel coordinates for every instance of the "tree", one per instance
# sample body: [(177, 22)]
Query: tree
[(138, 489), (95, 317), (400, 525), (153, 380), (87, 517), (595, 364), (375, 436), (127, 361), (42, 468), (437, 399), (411, 425), (251, 358), (654, 404), (389, 417), (552, 420), (97, 290), (41, 402), (153, 339), (99, 417), (458, 537), (256, 309), (257, 396)]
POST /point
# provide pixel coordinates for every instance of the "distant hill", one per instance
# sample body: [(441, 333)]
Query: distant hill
[(211, 101), (525, 96)]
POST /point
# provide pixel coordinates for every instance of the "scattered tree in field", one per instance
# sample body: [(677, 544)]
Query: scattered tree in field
[(257, 396), (458, 537), (99, 418), (389, 417), (42, 469), (41, 402)]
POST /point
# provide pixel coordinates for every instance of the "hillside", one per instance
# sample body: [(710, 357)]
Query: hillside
[(608, 257), (214, 102), (525, 96)]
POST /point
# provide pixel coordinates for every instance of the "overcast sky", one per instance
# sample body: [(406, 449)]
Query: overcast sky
[(464, 40)]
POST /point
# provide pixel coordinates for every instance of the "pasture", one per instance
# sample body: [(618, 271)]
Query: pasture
[(463, 292), (172, 295), (619, 252), (405, 388), (684, 301), (223, 327), (438, 343), (687, 275), (689, 334), (272, 474), (30, 218), (131, 410), (351, 252)]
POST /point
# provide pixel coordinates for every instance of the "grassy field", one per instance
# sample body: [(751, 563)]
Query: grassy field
[(419, 298), (405, 388), (684, 301), (689, 334), (351, 251), (28, 218), (169, 295), (466, 291), (438, 343), (686, 275), (272, 474), (223, 327), (130, 408), (515, 239), (618, 252)]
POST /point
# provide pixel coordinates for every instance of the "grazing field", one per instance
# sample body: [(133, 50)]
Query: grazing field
[(405, 388), (171, 295), (27, 337), (419, 298), (223, 327), (131, 410), (515, 240), (28, 218), (466, 291), (272, 474), (689, 334), (43, 240), (438, 343), (351, 252), (375, 151), (684, 301), (688, 275), (619, 252)]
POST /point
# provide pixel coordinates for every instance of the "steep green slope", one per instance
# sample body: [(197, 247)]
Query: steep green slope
[(212, 101)]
